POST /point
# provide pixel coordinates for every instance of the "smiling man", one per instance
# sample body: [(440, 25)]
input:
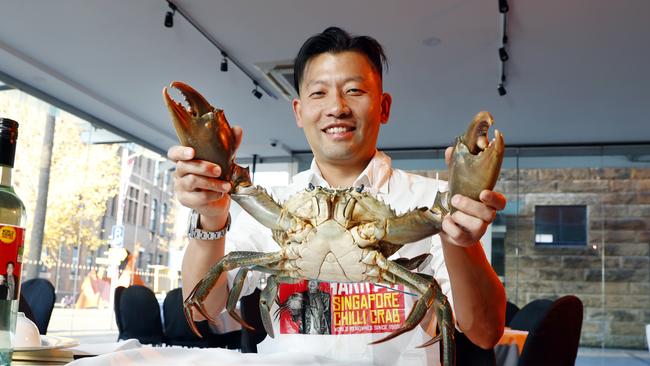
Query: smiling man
[(341, 107)]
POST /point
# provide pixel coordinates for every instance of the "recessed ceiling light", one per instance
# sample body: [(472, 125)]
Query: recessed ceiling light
[(431, 41)]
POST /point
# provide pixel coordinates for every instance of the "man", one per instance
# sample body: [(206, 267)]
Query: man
[(341, 106)]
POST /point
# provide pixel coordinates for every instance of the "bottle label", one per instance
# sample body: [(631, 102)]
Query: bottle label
[(11, 257)]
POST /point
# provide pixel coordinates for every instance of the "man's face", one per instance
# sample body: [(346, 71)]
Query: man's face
[(312, 286), (341, 107), (10, 269)]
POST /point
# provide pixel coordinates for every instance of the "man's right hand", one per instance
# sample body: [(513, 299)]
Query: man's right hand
[(198, 187)]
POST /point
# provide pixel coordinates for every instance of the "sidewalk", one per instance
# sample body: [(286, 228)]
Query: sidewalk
[(612, 357)]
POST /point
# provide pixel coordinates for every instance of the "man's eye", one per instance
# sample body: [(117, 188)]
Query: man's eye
[(354, 91), (317, 94)]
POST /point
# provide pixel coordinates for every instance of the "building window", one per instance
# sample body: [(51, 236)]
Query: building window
[(131, 213), (163, 219), (154, 216), (166, 178), (145, 210), (561, 225)]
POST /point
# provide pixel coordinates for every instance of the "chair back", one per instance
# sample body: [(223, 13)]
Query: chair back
[(554, 341), (250, 313), (530, 315), (40, 296), (139, 314), (116, 309), (469, 354), (177, 331), (511, 310)]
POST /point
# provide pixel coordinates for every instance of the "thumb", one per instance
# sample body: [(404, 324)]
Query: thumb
[(237, 130), (448, 153)]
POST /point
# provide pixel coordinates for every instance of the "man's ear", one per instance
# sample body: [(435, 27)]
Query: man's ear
[(297, 111), (386, 101)]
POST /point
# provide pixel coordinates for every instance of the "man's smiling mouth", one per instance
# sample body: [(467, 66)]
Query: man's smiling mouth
[(338, 129)]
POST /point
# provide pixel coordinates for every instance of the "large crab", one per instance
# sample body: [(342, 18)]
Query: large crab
[(341, 235)]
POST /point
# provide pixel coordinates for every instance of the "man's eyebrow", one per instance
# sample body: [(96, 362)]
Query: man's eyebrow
[(346, 80)]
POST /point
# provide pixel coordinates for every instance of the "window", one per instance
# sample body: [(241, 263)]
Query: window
[(131, 213), (154, 216), (561, 225), (145, 210), (163, 218), (156, 174)]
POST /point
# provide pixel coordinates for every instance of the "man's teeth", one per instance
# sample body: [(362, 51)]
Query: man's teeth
[(337, 129)]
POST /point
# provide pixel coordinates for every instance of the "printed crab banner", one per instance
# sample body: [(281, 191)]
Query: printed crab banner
[(11, 257), (312, 307)]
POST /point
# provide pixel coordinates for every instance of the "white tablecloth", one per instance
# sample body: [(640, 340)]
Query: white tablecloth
[(198, 357)]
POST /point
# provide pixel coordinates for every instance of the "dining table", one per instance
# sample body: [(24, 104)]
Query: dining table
[(132, 353)]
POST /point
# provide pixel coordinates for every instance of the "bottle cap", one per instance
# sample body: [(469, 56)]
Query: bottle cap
[(8, 137)]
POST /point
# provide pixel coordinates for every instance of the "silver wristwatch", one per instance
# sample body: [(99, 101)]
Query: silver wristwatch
[(195, 233)]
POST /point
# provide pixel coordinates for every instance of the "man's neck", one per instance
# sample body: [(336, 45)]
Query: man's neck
[(341, 175)]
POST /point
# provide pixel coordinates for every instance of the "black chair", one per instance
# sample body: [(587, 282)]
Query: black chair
[(178, 332), (40, 296), (139, 314), (511, 310), (250, 312), (116, 309), (24, 308), (554, 340), (469, 354), (530, 315)]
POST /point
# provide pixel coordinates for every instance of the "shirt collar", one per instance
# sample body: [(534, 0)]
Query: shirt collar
[(375, 177)]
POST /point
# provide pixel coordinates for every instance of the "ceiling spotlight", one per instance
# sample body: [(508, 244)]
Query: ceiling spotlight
[(501, 89), (169, 17), (503, 6), (224, 63), (256, 93), (503, 55)]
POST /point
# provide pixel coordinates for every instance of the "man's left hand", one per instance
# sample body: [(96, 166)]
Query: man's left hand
[(468, 224)]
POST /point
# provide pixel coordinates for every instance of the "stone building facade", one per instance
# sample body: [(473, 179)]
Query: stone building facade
[(610, 274)]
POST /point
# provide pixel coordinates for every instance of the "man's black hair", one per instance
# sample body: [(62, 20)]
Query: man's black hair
[(335, 40)]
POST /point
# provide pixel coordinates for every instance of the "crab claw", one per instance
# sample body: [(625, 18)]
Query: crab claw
[(202, 127), (476, 162)]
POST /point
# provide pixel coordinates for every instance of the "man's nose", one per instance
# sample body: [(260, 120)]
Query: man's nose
[(338, 107)]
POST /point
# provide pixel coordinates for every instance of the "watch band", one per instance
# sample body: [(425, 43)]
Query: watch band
[(194, 232)]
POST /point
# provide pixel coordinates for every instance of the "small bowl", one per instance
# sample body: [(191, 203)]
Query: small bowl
[(27, 334)]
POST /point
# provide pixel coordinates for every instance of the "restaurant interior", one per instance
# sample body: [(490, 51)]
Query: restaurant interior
[(566, 82)]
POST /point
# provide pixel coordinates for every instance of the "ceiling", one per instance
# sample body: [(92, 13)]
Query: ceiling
[(578, 71)]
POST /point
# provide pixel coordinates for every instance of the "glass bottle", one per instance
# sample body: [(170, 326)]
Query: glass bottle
[(12, 233)]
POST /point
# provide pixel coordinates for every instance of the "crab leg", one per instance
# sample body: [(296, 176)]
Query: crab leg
[(259, 204), (431, 295), (267, 297), (233, 297), (230, 261), (417, 224)]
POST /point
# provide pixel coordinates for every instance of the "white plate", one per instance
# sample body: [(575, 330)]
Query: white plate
[(50, 342)]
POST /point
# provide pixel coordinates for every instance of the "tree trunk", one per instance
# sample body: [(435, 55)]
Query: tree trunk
[(36, 241)]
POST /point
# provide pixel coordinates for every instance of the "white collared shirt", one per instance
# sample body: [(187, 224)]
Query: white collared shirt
[(403, 192)]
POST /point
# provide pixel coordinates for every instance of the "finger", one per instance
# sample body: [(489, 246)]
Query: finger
[(178, 152), (199, 199), (448, 153), (477, 209), (237, 130), (195, 183), (470, 224), (493, 199), (454, 232), (197, 167)]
